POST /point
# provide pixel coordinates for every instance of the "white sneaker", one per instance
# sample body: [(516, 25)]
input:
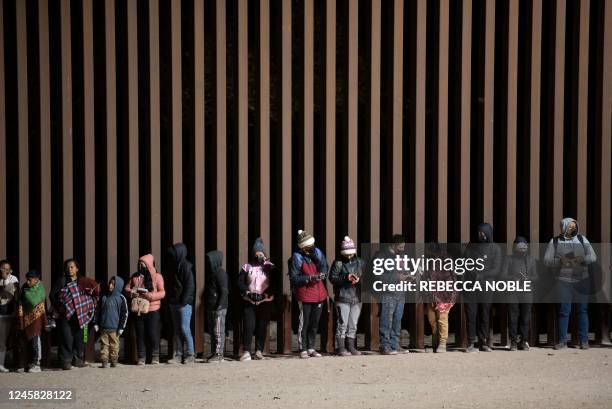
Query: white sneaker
[(3, 369), (246, 356), (258, 355), (304, 354), (313, 353), (34, 369)]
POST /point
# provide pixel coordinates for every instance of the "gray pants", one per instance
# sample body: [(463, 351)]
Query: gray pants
[(348, 316), (216, 322), (6, 322)]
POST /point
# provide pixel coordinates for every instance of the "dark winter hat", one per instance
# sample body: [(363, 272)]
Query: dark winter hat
[(398, 238), (304, 239), (33, 274), (259, 246)]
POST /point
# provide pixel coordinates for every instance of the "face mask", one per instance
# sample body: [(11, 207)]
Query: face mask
[(142, 269), (482, 237)]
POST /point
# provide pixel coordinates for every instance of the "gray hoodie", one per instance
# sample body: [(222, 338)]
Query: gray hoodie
[(572, 247)]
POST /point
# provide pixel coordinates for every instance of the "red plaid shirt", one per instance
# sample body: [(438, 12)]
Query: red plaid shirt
[(76, 302)]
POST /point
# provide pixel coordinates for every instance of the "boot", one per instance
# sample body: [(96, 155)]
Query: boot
[(341, 349), (351, 345)]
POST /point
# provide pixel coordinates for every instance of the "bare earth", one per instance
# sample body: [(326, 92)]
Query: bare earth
[(540, 378)]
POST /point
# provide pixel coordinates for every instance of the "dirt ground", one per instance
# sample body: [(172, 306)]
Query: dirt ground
[(539, 378)]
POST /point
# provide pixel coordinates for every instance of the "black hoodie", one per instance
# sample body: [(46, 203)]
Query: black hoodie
[(180, 287), (216, 282), (489, 251)]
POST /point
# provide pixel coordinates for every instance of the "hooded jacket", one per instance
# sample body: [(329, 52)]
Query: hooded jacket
[(254, 277), (217, 289), (8, 290), (344, 290), (575, 246), (113, 309), (181, 286), (489, 251), (138, 281), (520, 267), (301, 266)]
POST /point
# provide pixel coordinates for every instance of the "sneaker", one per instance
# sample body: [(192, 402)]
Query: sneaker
[(80, 364), (246, 356), (401, 350), (584, 345), (173, 361), (471, 348), (559, 346), (388, 351), (66, 366), (513, 346), (104, 365), (314, 354), (140, 362), (441, 348), (34, 369), (20, 370), (215, 358), (523, 346), (258, 355), (3, 369), (155, 361), (485, 348), (189, 360), (114, 364), (304, 354)]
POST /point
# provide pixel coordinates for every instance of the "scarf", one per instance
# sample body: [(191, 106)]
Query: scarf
[(32, 314), (32, 296)]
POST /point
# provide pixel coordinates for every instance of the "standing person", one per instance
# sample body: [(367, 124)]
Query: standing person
[(479, 306), (345, 275), (254, 283), (392, 302), (217, 295), (111, 318), (9, 286), (147, 283), (74, 298), (180, 296), (32, 318), (442, 301), (570, 254), (307, 274), (520, 266)]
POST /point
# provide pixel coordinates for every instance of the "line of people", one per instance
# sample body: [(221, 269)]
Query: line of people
[(76, 303)]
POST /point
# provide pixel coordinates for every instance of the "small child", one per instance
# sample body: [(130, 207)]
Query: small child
[(111, 319), (443, 301), (32, 318), (8, 287), (216, 297)]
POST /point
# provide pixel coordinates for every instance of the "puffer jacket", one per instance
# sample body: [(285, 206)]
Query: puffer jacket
[(344, 290)]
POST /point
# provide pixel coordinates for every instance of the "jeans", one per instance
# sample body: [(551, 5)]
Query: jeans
[(6, 322), (391, 312), (147, 333), (30, 351), (482, 311), (520, 318), (573, 293), (348, 316), (256, 319), (181, 321), (310, 313), (72, 344), (216, 329), (109, 345)]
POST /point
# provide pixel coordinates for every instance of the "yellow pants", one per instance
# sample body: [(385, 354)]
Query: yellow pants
[(109, 341), (439, 323)]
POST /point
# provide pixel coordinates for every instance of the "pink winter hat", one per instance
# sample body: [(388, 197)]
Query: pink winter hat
[(347, 247)]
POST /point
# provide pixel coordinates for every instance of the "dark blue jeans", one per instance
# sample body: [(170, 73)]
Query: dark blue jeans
[(391, 312), (576, 294)]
